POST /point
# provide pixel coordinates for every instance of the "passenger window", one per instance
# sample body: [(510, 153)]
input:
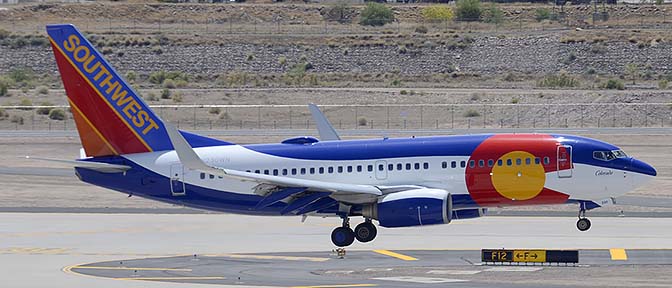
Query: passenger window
[(509, 162), (321, 170), (519, 161), (417, 166), (381, 167), (481, 163), (293, 171), (312, 170), (500, 162), (444, 164), (359, 168), (330, 170), (408, 166), (303, 171), (275, 172), (248, 171), (390, 167), (340, 169), (349, 169), (425, 166), (528, 161), (202, 175), (547, 160), (400, 166), (453, 164), (212, 176), (267, 172), (257, 171), (369, 168), (491, 162), (472, 163), (463, 164), (537, 160)]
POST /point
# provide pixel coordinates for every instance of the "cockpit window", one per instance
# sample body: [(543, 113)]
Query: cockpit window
[(609, 155)]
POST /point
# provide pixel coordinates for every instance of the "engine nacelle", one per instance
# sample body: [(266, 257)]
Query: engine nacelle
[(415, 207), (468, 213)]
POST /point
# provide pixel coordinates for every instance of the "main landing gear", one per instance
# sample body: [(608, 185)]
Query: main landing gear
[(344, 236), (583, 224)]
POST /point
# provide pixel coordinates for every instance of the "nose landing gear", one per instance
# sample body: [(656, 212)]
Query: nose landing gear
[(583, 224), (344, 236)]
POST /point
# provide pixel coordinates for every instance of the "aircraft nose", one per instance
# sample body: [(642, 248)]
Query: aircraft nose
[(642, 167)]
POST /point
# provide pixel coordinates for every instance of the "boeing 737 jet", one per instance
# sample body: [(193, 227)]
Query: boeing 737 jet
[(398, 182)]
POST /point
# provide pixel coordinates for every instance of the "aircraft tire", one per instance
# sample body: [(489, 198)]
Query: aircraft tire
[(342, 236), (583, 224), (365, 232)]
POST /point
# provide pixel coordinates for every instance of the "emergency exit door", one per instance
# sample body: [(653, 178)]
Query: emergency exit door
[(177, 186), (564, 161)]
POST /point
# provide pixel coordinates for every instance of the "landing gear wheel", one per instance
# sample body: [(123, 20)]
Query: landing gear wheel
[(583, 224), (342, 236), (366, 232)]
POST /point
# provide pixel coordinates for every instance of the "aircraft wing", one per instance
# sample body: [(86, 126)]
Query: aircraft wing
[(191, 160), (324, 127), (97, 166)]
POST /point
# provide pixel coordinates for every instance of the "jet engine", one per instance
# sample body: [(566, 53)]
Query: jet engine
[(416, 207)]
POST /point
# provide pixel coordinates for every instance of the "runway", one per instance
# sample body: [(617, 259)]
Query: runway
[(36, 248)]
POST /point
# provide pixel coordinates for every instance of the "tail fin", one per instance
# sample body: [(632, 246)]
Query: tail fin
[(110, 117)]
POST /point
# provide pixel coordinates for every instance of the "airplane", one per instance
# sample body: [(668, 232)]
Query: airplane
[(398, 182)]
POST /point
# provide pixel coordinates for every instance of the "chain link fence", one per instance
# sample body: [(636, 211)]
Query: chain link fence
[(393, 117)]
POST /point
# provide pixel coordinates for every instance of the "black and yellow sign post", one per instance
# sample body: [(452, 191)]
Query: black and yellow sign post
[(529, 256)]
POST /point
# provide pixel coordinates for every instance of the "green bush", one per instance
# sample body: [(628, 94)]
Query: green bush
[(25, 102), (214, 110), (21, 75), (44, 110), (614, 84), (57, 114), (558, 80), (169, 83), (468, 10), (421, 29), (177, 97), (340, 12), (165, 93), (376, 14), (362, 121), (662, 84), (493, 14), (160, 76), (471, 113), (542, 14), (437, 13), (131, 76), (44, 90)]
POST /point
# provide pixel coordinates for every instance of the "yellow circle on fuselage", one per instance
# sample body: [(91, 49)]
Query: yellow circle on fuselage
[(518, 178)]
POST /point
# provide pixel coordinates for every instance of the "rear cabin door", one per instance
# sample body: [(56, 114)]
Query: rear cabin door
[(177, 186), (565, 166)]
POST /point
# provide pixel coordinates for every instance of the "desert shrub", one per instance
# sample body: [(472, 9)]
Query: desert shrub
[(214, 110), (421, 29), (16, 119), (169, 83), (160, 76), (25, 102), (157, 50), (395, 83), (250, 57), (493, 15), (515, 100), (509, 77), (340, 12), (3, 114), (180, 83), (57, 114), (632, 70), (403, 92), (542, 14), (561, 79), (282, 60), (107, 51), (362, 121), (165, 93), (471, 113), (376, 14), (4, 34), (177, 97), (131, 76), (475, 97), (152, 97), (614, 84), (44, 110), (662, 84), (468, 10), (21, 75), (4, 87), (437, 13), (42, 90)]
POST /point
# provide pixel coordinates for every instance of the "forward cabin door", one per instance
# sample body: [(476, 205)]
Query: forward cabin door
[(564, 161), (177, 186)]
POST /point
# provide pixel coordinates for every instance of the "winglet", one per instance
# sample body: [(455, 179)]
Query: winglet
[(324, 127)]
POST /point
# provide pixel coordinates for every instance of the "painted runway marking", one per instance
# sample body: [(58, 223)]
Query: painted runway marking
[(339, 272), (131, 268), (395, 255), (513, 269), (172, 278), (377, 269), (421, 280), (337, 286), (618, 254), (269, 257), (453, 272)]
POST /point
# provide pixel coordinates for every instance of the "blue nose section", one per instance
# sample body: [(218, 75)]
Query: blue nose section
[(642, 167)]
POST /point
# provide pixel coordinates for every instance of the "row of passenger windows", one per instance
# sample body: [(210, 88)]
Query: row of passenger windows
[(391, 167)]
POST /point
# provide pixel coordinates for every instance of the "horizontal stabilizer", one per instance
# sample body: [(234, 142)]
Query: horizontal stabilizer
[(96, 166)]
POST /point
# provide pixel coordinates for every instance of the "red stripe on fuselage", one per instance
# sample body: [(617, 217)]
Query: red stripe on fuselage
[(96, 110)]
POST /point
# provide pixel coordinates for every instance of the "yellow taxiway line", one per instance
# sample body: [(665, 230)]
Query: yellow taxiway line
[(395, 255), (172, 278), (337, 286), (618, 254), (130, 268)]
